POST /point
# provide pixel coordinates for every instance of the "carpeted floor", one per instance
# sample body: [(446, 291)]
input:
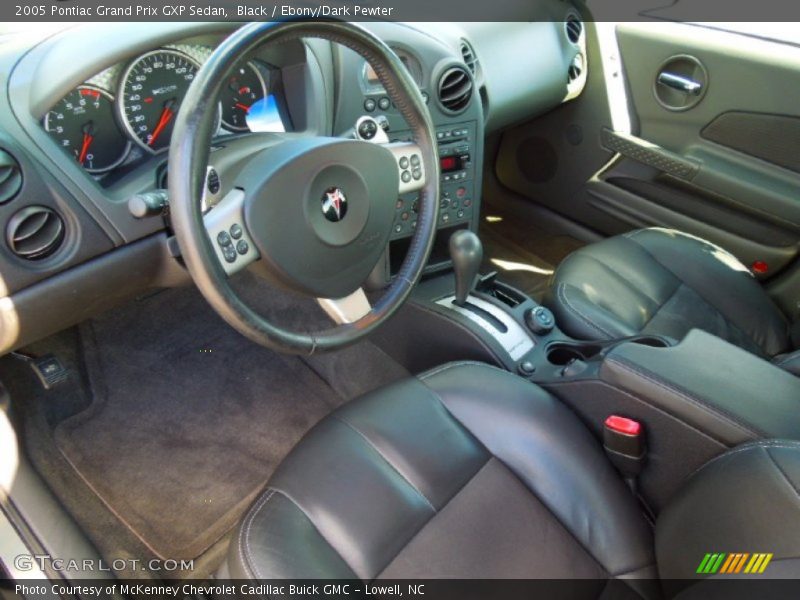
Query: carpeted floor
[(523, 256), (188, 419)]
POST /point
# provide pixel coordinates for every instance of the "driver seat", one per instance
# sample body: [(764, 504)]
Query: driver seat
[(470, 472)]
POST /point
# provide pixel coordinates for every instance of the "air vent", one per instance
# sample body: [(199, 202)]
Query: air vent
[(455, 89), (574, 29), (35, 232), (575, 68), (10, 177), (470, 59)]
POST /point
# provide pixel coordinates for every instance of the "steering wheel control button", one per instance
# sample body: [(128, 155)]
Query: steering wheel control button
[(236, 231), (369, 105), (415, 160), (223, 238), (405, 176), (242, 247), (384, 103), (229, 254), (416, 174), (334, 204), (404, 162)]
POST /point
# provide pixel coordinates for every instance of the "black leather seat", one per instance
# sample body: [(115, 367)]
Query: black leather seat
[(661, 281), (466, 472)]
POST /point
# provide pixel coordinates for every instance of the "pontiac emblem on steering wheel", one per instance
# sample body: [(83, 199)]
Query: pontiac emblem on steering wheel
[(334, 204)]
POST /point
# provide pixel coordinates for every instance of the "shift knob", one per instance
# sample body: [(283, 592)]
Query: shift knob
[(466, 251)]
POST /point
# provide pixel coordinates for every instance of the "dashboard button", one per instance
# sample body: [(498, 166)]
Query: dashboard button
[(415, 160), (384, 103), (404, 162), (236, 231), (242, 247), (398, 228), (405, 176), (369, 105), (416, 174), (223, 238), (229, 253)]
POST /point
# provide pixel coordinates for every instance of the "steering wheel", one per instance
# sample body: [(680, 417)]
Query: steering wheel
[(311, 214)]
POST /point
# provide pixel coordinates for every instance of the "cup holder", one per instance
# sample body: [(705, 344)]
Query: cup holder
[(563, 353)]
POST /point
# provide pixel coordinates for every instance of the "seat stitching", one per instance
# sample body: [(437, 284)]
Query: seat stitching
[(783, 474), (385, 459), (245, 552), (709, 409), (629, 283), (424, 525), (662, 305), (788, 444), (452, 365), (562, 293)]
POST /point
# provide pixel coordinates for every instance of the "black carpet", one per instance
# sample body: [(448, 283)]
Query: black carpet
[(188, 418)]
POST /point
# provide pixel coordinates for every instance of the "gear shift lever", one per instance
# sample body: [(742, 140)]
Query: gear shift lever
[(466, 251)]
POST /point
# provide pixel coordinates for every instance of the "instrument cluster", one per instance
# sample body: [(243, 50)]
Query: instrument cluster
[(127, 112)]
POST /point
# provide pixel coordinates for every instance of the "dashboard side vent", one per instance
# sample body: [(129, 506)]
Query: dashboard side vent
[(455, 89), (470, 58), (575, 68), (574, 29), (35, 232), (10, 177)]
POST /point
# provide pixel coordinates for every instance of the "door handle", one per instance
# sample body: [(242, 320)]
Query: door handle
[(680, 83)]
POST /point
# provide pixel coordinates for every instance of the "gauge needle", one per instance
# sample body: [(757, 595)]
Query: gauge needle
[(244, 107), (164, 119), (87, 141)]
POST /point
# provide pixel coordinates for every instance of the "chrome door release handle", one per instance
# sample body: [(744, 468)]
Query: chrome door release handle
[(680, 83)]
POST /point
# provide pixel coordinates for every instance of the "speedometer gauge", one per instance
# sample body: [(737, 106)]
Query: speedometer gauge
[(153, 88), (83, 124)]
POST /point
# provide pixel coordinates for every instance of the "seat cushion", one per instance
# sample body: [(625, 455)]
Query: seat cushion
[(745, 502), (663, 282), (467, 471)]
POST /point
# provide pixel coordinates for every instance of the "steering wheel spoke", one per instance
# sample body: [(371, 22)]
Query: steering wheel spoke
[(348, 309), (410, 166), (228, 233)]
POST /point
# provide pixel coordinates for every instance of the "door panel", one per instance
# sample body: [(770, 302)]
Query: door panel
[(739, 134)]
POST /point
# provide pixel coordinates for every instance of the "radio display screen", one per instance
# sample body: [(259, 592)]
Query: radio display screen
[(447, 164)]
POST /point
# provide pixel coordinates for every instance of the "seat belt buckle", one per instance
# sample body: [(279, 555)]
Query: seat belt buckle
[(624, 443)]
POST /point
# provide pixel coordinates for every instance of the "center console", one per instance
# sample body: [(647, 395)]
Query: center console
[(695, 398)]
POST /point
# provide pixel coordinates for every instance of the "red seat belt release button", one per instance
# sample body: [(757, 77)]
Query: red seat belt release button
[(624, 443)]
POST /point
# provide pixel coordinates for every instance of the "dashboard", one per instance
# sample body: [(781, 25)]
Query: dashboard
[(82, 132), (115, 120)]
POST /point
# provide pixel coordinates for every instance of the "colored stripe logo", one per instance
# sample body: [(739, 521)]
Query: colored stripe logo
[(736, 562)]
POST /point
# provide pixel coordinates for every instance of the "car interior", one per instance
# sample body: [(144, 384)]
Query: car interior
[(385, 301)]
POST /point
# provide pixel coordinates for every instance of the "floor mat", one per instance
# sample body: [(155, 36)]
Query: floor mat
[(523, 256), (188, 419)]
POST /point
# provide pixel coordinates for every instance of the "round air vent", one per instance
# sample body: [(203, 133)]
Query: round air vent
[(470, 59), (574, 29), (455, 89), (35, 232), (10, 177)]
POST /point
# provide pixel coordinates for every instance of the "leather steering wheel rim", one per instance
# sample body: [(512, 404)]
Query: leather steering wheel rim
[(189, 154)]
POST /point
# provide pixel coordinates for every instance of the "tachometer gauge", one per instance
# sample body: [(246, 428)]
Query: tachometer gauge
[(153, 88), (83, 124), (244, 87)]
